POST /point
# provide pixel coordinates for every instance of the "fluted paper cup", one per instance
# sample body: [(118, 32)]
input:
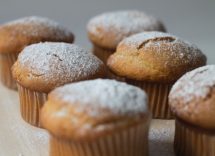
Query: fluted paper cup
[(193, 141), (157, 95), (130, 142), (6, 62), (31, 103)]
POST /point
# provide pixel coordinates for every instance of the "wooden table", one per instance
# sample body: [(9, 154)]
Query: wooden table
[(17, 138)]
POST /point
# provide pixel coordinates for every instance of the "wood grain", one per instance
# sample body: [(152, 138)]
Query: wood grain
[(17, 138)]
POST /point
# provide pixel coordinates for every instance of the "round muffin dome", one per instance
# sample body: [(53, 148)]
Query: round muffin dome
[(108, 29), (155, 57), (192, 97), (45, 66), (15, 35), (89, 109)]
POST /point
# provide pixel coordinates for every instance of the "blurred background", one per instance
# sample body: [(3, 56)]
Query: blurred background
[(193, 20)]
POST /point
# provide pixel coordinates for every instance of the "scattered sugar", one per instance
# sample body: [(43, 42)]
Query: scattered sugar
[(37, 25), (58, 61), (118, 97), (124, 23), (194, 84)]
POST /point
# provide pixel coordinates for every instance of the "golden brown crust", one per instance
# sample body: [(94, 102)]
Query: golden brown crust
[(108, 29), (15, 35), (79, 112), (192, 98), (45, 66), (155, 57)]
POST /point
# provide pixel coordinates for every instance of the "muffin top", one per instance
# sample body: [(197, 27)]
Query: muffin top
[(90, 109), (155, 57), (15, 35), (45, 66), (108, 29), (192, 97)]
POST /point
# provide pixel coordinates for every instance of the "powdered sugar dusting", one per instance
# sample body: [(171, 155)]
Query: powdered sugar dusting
[(183, 51), (194, 84), (118, 97), (138, 39), (123, 23), (37, 25), (59, 62)]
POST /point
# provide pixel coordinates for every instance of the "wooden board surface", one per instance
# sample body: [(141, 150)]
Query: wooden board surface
[(17, 138)]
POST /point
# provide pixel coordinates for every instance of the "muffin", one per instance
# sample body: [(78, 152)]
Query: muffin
[(97, 118), (192, 100), (15, 35), (44, 66), (153, 61), (108, 29)]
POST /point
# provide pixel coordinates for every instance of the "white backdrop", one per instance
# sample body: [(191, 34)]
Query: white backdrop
[(193, 20)]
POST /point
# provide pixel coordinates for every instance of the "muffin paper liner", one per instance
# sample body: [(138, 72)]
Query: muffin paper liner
[(193, 141), (31, 103), (158, 98), (6, 62), (102, 53), (130, 142), (157, 95)]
